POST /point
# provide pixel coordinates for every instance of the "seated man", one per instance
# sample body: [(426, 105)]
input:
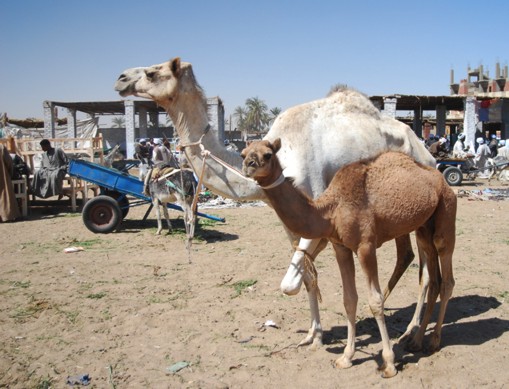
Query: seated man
[(463, 152), (439, 149), (48, 180)]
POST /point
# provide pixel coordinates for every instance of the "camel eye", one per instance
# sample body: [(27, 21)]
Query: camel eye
[(267, 156), (150, 73)]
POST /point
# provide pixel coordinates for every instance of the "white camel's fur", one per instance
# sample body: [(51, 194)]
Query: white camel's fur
[(368, 203), (318, 138), (178, 187)]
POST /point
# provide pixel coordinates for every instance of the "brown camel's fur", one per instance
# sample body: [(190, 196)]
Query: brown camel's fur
[(368, 203)]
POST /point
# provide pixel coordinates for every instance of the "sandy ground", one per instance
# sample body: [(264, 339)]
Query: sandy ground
[(131, 306)]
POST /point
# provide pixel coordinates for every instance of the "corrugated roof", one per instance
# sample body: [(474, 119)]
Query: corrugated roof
[(109, 107), (425, 103)]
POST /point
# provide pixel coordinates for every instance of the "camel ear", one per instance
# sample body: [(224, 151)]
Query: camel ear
[(276, 145), (175, 66)]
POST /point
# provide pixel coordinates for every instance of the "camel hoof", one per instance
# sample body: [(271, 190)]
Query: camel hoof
[(314, 342), (343, 362), (305, 342), (314, 339), (388, 371), (158, 232), (413, 346), (317, 343), (434, 344)]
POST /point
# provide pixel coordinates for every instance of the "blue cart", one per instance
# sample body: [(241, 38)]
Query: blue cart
[(104, 213), (456, 169)]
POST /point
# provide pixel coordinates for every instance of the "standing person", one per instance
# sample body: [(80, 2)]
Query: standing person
[(49, 179), (141, 153), (9, 210), (161, 154), (173, 160), (481, 157), (493, 146)]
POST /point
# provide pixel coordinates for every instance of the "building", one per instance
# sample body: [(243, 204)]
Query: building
[(142, 112)]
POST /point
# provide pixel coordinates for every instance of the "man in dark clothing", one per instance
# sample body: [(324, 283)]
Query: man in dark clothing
[(142, 153), (493, 146), (438, 149)]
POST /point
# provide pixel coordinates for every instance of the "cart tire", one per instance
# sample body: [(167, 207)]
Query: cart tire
[(102, 214), (453, 176), (123, 203)]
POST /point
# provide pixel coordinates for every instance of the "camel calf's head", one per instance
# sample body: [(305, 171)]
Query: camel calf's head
[(260, 162)]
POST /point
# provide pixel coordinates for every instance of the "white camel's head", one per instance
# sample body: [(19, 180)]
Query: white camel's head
[(161, 83), (260, 162)]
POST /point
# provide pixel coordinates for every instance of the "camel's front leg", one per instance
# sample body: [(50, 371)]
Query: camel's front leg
[(292, 283), (344, 257), (367, 258)]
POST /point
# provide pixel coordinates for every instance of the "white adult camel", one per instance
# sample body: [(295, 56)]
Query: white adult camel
[(318, 138)]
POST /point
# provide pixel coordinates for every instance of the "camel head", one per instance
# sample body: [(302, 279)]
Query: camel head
[(260, 161), (161, 83)]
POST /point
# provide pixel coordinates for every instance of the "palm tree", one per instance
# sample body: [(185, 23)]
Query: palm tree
[(240, 114), (118, 122), (257, 117), (274, 112)]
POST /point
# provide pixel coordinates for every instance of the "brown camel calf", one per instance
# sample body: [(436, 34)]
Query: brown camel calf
[(368, 203)]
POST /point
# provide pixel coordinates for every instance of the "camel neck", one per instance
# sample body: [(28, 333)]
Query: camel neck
[(189, 115), (298, 212), (278, 182)]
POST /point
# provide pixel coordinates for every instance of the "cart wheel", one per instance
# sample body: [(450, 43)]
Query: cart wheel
[(122, 200), (453, 176), (102, 214)]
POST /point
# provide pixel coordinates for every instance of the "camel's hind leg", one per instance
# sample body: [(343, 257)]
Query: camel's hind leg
[(367, 258), (439, 238), (444, 240), (423, 289), (404, 257), (425, 244)]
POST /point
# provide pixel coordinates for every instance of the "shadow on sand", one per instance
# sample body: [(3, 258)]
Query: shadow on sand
[(205, 233), (471, 333)]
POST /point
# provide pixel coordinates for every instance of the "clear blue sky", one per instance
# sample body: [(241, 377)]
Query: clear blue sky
[(284, 52)]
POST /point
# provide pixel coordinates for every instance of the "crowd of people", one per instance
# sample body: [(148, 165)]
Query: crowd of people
[(440, 148)]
